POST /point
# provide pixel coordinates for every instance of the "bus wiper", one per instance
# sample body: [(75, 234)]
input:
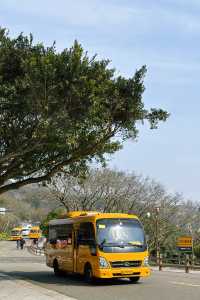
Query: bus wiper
[(122, 245), (119, 245), (108, 244), (102, 244), (135, 245)]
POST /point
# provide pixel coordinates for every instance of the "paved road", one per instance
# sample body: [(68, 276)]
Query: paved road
[(161, 285)]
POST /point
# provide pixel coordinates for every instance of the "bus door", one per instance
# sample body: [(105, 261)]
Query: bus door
[(85, 239), (75, 248), (68, 249), (63, 248)]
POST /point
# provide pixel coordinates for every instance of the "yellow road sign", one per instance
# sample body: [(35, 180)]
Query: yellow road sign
[(184, 241)]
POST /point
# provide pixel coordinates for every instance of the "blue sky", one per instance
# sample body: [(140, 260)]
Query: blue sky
[(164, 35)]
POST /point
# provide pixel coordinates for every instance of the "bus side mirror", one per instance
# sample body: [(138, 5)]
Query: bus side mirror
[(92, 242), (93, 250)]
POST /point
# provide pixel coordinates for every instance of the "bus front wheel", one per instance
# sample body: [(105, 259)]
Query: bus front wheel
[(56, 269), (88, 274), (134, 279)]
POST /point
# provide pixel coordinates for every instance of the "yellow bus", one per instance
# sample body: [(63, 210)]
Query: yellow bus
[(98, 245), (35, 233), (16, 234)]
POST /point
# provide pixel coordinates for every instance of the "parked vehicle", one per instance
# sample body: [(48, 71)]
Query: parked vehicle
[(26, 230), (35, 233), (16, 234)]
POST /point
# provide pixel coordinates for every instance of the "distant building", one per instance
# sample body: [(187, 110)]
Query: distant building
[(3, 210)]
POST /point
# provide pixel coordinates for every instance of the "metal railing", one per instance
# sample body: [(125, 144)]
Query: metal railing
[(35, 249), (186, 263)]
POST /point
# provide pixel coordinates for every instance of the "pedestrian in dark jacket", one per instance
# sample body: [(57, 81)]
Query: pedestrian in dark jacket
[(22, 242)]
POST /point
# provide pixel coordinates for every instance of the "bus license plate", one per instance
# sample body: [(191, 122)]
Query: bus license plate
[(126, 272)]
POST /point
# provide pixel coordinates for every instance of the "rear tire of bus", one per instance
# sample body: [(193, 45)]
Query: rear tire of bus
[(134, 279), (88, 274), (56, 269)]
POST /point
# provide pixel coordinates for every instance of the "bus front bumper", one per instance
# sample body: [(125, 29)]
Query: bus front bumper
[(122, 272), (15, 238)]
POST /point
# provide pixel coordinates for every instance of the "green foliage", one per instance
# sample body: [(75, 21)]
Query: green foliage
[(51, 215), (4, 236), (197, 251), (62, 110)]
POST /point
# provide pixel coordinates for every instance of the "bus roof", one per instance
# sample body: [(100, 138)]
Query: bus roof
[(89, 216), (17, 228), (35, 227)]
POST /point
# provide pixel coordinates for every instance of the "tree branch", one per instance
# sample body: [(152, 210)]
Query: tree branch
[(89, 151)]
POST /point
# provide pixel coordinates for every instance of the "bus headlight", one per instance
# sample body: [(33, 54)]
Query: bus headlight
[(146, 261), (103, 263)]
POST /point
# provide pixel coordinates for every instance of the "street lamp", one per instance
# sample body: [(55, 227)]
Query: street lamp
[(148, 214), (156, 210), (190, 229)]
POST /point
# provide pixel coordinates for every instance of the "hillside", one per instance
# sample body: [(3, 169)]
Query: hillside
[(32, 202)]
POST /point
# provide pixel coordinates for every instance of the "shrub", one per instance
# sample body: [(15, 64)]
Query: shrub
[(4, 236), (197, 251)]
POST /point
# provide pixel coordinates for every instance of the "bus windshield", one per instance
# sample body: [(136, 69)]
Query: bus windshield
[(120, 233), (15, 232), (34, 231)]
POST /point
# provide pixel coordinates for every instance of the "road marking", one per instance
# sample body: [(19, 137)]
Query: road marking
[(185, 283)]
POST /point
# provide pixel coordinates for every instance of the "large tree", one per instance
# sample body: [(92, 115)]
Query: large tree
[(103, 190), (62, 110)]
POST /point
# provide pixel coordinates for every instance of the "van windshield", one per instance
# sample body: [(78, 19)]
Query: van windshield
[(15, 232), (34, 231), (120, 233)]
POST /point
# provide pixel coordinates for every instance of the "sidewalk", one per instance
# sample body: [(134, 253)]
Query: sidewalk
[(12, 289), (171, 269)]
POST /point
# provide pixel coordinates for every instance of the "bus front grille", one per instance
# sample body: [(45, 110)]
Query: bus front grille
[(126, 263)]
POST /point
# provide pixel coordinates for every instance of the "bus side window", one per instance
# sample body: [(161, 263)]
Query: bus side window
[(52, 233), (61, 232), (86, 234)]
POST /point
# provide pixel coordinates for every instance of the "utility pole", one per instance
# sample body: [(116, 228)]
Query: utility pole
[(191, 233), (157, 209), (157, 243)]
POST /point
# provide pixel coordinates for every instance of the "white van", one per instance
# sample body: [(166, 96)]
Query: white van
[(25, 231)]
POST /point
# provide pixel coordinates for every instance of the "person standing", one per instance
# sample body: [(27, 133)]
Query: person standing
[(18, 244), (22, 242)]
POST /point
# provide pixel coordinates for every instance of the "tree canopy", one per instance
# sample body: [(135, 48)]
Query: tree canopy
[(62, 110), (165, 215)]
